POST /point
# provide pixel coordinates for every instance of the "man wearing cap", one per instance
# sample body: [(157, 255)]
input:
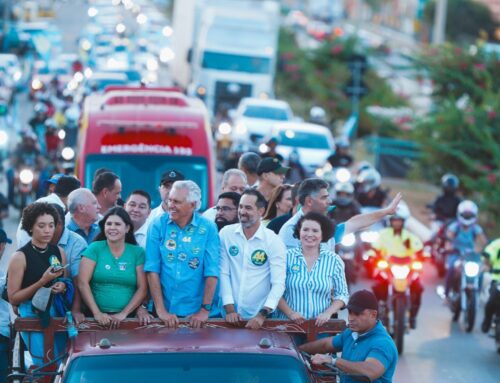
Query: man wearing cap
[(367, 348), (233, 180), (166, 182), (4, 314), (51, 183), (271, 174)]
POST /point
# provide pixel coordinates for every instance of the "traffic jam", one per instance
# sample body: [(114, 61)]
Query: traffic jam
[(170, 210)]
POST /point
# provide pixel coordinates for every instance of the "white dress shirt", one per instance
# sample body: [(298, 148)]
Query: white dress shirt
[(253, 271), (141, 234)]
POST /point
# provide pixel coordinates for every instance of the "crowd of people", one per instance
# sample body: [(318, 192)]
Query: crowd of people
[(266, 249)]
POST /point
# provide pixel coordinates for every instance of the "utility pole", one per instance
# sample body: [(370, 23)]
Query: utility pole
[(439, 31)]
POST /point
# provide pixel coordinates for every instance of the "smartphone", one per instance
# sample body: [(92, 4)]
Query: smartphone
[(56, 269)]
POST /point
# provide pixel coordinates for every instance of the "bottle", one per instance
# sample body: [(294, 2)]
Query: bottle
[(71, 328)]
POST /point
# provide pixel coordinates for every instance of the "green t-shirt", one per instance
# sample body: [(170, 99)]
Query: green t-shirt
[(114, 281)]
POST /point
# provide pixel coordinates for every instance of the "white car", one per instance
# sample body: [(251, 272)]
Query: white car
[(313, 143), (9, 64), (253, 119)]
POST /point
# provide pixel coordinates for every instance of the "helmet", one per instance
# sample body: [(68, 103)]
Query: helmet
[(368, 179), (317, 114), (402, 212), (467, 212), (347, 188), (342, 143), (363, 165), (450, 182)]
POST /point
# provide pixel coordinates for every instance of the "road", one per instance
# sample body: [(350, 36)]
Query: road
[(437, 351)]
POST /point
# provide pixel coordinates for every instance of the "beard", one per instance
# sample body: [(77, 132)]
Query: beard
[(221, 222)]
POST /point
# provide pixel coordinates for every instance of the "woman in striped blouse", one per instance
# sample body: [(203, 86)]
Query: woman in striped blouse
[(315, 287)]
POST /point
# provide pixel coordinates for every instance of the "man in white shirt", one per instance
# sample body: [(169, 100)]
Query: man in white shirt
[(253, 265), (167, 180), (138, 206), (313, 196), (233, 180), (248, 163)]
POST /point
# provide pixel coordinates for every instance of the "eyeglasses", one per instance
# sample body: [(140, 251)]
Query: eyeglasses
[(225, 209)]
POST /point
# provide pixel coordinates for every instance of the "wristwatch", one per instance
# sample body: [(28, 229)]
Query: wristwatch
[(266, 313), (207, 307)]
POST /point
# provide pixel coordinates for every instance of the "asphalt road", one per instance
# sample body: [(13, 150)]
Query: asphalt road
[(437, 351)]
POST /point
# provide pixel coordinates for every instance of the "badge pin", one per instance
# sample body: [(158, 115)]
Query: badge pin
[(295, 268), (171, 244), (170, 257), (233, 250), (122, 266), (54, 261), (196, 250), (259, 257), (107, 267), (202, 230), (173, 234), (194, 263), (182, 257), (186, 239), (190, 230)]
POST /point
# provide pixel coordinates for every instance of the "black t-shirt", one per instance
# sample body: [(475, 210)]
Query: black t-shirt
[(38, 262), (276, 223), (445, 207)]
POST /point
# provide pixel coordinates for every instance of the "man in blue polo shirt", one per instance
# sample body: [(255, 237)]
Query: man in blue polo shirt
[(182, 258), (367, 349)]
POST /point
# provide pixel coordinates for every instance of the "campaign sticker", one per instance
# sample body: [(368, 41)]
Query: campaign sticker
[(182, 257), (233, 250), (259, 257), (202, 230), (54, 261), (107, 267), (186, 239), (190, 230), (122, 266), (194, 263), (196, 250), (170, 257), (173, 234), (295, 268), (171, 244)]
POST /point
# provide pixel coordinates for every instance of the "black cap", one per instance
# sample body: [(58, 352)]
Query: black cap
[(65, 185), (268, 165), (3, 237), (172, 176), (362, 300)]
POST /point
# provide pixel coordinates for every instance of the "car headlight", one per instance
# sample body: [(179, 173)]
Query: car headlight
[(68, 153), (92, 12), (241, 129), (120, 28), (224, 128), (201, 91), (348, 240), (88, 73), (36, 84), (471, 269), (400, 272), (141, 19), (61, 134), (86, 45), (4, 138), (167, 31), (26, 176), (369, 236)]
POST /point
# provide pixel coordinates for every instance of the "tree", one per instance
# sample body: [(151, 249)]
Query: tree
[(466, 20), (462, 135)]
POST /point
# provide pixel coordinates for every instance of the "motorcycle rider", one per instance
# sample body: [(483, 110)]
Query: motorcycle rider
[(37, 123), (341, 156), (446, 204), (492, 252), (346, 206), (463, 235), (396, 241), (368, 191)]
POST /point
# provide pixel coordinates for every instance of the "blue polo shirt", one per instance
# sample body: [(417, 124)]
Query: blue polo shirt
[(376, 344), (183, 258), (93, 231)]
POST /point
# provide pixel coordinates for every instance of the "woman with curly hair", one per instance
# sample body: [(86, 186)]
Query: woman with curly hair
[(111, 279), (37, 264), (280, 203)]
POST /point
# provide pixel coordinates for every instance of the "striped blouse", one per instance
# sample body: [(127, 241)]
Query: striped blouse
[(311, 292)]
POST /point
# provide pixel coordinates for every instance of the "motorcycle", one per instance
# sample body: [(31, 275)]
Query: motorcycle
[(25, 186), (398, 274), (464, 293), (436, 247)]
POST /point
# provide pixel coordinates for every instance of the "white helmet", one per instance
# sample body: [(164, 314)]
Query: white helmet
[(402, 211), (344, 187), (467, 212), (369, 179), (317, 115)]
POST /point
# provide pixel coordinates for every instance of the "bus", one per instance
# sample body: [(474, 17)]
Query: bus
[(140, 133)]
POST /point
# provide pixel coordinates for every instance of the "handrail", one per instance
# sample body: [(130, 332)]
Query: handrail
[(308, 328)]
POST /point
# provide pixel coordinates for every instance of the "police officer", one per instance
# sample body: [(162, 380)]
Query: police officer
[(182, 258), (253, 265), (492, 251)]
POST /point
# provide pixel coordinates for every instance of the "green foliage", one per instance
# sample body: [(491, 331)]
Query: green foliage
[(318, 77), (462, 135), (467, 20)]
